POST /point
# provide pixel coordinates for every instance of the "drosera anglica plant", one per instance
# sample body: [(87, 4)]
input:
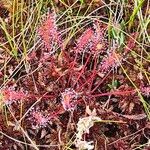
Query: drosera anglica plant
[(49, 33), (9, 96), (84, 41), (61, 82), (69, 96), (145, 91), (92, 40), (113, 60), (38, 119)]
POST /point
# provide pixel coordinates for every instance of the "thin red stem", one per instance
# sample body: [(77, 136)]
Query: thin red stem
[(82, 70), (113, 93), (101, 81)]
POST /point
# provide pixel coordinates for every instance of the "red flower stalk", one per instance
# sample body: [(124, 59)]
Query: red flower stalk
[(111, 61), (49, 34), (116, 93)]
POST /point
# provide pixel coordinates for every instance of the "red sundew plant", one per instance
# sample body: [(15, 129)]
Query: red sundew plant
[(99, 39), (9, 96), (92, 40), (49, 34), (70, 80), (113, 60), (145, 91), (62, 83), (39, 119), (84, 41), (68, 97)]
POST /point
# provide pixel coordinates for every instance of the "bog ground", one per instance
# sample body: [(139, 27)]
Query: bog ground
[(74, 75)]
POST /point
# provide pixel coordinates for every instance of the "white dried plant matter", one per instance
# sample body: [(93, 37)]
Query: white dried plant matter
[(83, 126)]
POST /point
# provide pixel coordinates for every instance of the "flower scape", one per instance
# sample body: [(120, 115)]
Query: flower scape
[(80, 92)]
